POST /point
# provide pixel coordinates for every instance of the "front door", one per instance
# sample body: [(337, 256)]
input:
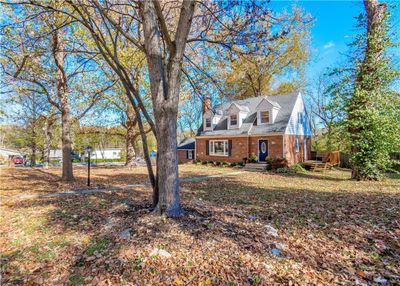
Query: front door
[(262, 150)]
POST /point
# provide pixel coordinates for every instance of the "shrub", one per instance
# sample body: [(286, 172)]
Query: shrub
[(297, 168), (285, 170), (394, 167), (278, 163), (253, 158), (225, 164), (210, 163), (204, 162), (269, 159)]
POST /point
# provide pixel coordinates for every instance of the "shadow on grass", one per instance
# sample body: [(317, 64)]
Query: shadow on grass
[(327, 176), (229, 209)]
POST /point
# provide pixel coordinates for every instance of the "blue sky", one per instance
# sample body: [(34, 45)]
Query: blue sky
[(333, 28)]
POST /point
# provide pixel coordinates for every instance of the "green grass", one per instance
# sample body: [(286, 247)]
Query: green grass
[(77, 279), (98, 245)]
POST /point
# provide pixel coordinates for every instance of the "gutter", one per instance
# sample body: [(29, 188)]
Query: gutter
[(240, 135)]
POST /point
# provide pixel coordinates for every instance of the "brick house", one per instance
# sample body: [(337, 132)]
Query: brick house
[(276, 126)]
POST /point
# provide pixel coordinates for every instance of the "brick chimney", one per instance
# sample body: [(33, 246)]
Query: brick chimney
[(206, 103)]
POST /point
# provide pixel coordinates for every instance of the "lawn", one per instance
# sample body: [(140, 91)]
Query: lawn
[(329, 230)]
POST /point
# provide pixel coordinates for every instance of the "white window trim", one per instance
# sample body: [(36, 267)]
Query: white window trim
[(259, 117), (237, 120), (297, 145), (211, 150)]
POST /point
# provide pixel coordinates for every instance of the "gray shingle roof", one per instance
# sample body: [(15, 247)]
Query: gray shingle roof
[(285, 103)]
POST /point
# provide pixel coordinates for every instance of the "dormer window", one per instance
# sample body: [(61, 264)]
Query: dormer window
[(208, 122), (233, 119), (267, 111), (264, 117)]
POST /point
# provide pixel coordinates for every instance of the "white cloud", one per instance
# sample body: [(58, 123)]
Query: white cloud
[(329, 45)]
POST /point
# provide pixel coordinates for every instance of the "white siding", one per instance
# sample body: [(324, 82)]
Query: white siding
[(55, 154), (265, 105), (299, 122), (106, 154)]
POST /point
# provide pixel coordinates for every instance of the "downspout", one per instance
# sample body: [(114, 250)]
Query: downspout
[(248, 141), (248, 146)]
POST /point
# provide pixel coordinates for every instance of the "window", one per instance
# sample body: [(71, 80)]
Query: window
[(297, 145), (264, 117), (263, 148), (208, 122), (219, 148), (233, 119), (190, 155)]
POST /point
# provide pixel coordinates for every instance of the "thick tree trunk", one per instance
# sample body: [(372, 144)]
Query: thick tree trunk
[(130, 137), (136, 147), (366, 82), (62, 93), (164, 71), (67, 174), (167, 165), (130, 152)]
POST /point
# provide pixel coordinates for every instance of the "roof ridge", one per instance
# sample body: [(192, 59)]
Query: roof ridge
[(263, 96)]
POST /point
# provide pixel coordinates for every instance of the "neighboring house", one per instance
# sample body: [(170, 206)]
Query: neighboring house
[(55, 154), (276, 126), (186, 150), (106, 153), (6, 153)]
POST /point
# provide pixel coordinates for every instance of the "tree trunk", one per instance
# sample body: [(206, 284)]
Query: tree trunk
[(130, 141), (62, 93), (167, 165), (130, 137), (153, 179), (48, 135), (366, 80), (164, 72), (33, 147), (130, 152), (136, 147)]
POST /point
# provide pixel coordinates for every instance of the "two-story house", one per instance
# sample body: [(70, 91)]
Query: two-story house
[(276, 126)]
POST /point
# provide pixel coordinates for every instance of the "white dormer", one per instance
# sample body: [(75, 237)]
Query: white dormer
[(236, 115), (267, 110)]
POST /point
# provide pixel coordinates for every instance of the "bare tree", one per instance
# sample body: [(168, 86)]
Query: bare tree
[(171, 37)]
